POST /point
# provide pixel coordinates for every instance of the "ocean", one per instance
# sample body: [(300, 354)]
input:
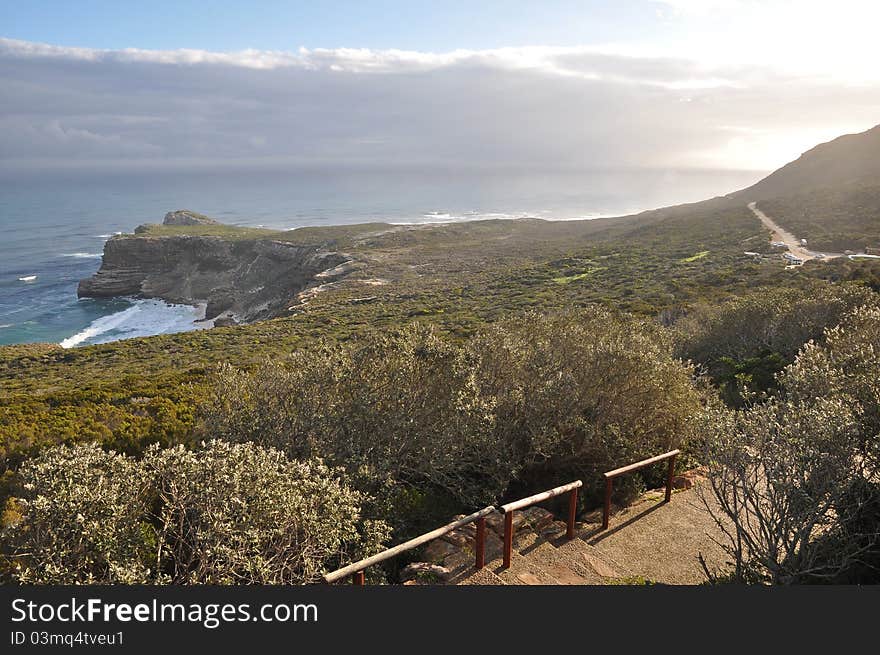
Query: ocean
[(54, 226)]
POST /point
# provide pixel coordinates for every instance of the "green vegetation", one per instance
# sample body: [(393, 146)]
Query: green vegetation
[(520, 407), (459, 277), (743, 343), (572, 278), (456, 365)]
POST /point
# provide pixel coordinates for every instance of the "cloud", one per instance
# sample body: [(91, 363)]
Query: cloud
[(532, 108), (702, 6)]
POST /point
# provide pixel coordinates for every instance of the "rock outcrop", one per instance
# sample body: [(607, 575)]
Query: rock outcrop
[(239, 280), (187, 217)]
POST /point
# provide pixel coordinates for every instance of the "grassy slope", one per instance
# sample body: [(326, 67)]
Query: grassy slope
[(458, 276)]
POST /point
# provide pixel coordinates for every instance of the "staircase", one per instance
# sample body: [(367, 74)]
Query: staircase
[(649, 541)]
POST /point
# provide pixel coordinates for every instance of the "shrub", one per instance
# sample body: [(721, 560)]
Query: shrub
[(532, 401), (796, 477), (578, 392), (220, 514), (846, 365), (82, 519), (779, 474), (240, 514), (746, 341)]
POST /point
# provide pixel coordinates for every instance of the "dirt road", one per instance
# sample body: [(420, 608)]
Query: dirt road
[(786, 237)]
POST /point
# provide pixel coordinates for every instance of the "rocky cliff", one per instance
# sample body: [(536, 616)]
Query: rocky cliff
[(239, 280)]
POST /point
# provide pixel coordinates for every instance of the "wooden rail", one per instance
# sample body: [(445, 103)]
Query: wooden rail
[(571, 488), (356, 570), (610, 475)]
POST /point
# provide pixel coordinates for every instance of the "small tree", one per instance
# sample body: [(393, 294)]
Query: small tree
[(780, 477), (396, 410), (795, 480), (744, 342), (578, 392), (845, 365)]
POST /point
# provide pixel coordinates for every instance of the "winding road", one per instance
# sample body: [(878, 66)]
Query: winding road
[(786, 237)]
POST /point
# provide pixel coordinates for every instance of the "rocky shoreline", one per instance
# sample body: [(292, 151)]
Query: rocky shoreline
[(238, 280)]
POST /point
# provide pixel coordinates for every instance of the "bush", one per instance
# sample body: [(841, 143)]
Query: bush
[(418, 418), (401, 412), (82, 519), (236, 513), (846, 365), (780, 473), (796, 477), (577, 393), (221, 514), (745, 342)]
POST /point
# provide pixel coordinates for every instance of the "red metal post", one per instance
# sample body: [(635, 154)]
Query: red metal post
[(572, 510), (669, 476), (607, 513), (508, 539), (480, 544), (358, 579)]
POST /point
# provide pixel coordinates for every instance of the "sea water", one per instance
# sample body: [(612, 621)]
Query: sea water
[(53, 227)]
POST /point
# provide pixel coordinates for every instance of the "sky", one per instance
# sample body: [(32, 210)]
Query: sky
[(557, 84)]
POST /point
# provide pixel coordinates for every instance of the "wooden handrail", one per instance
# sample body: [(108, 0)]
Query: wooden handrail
[(645, 462), (571, 488), (610, 475), (356, 570), (544, 495)]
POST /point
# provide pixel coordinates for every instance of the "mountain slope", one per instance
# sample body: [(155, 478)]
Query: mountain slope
[(830, 196), (849, 159)]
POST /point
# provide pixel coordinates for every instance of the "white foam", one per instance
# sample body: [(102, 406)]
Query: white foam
[(27, 278), (6, 325), (143, 319), (83, 255)]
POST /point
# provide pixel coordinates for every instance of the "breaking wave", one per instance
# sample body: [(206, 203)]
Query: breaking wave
[(143, 319)]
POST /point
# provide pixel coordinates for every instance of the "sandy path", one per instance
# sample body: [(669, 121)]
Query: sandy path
[(786, 237)]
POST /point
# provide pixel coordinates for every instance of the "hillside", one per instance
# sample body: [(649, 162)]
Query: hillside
[(845, 217), (848, 159), (458, 277), (830, 195)]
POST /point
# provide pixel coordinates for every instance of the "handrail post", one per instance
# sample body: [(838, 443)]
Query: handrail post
[(669, 476), (572, 510), (508, 539), (607, 512), (358, 579), (480, 543)]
